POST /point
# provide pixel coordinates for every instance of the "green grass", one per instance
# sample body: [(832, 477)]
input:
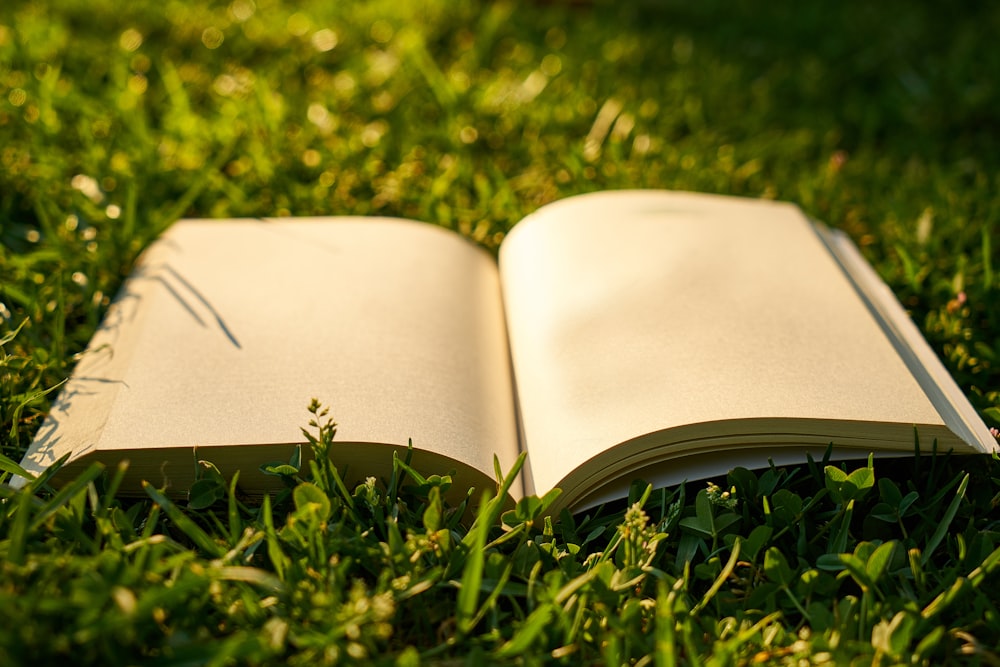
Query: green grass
[(118, 118)]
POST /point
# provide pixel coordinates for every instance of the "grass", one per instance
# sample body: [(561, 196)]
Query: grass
[(117, 119)]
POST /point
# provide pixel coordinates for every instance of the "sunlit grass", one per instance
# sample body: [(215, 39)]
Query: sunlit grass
[(118, 118)]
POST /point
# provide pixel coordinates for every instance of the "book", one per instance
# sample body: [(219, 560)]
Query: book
[(624, 334)]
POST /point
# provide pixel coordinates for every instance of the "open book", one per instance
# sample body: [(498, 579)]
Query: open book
[(649, 334)]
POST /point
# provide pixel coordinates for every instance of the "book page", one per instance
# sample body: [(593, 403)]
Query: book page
[(927, 369), (676, 322), (228, 329)]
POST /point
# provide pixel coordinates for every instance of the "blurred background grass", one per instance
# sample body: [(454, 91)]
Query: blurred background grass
[(116, 119)]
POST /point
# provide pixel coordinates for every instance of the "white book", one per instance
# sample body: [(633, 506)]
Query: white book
[(626, 334)]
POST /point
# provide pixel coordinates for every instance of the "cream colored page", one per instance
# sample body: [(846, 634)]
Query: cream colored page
[(955, 409), (228, 329), (632, 312)]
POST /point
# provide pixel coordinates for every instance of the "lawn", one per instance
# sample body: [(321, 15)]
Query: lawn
[(118, 118)]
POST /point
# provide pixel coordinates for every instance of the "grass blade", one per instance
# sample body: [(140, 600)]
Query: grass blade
[(472, 576), (945, 522), (200, 538), (67, 493)]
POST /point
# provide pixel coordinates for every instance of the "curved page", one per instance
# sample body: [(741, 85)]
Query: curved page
[(632, 313), (227, 330)]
